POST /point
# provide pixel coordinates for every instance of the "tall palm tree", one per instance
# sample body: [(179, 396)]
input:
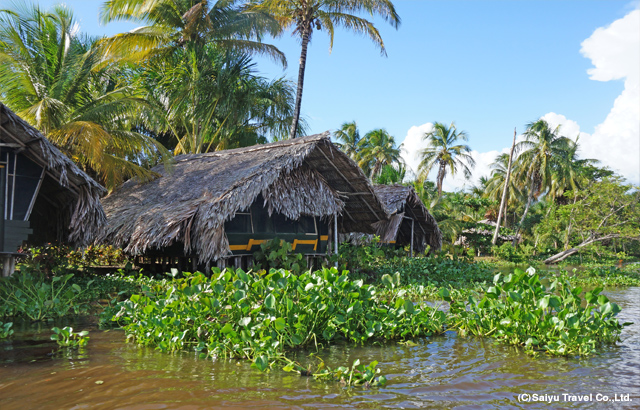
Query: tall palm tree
[(306, 15), (542, 153), (497, 179), (349, 137), (567, 172), (377, 149), (54, 78), (443, 153), (176, 23)]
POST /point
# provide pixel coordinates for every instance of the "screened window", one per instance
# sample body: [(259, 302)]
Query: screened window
[(307, 224), (240, 224), (284, 224)]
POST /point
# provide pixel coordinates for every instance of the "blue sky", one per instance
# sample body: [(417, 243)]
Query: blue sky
[(489, 66)]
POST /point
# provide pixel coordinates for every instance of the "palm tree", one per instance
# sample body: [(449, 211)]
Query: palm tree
[(442, 153), (349, 137), (54, 78), (377, 149), (392, 174), (210, 99), (306, 15), (543, 152), (567, 172), (496, 182), (177, 23)]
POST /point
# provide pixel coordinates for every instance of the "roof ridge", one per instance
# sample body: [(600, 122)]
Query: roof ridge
[(259, 147)]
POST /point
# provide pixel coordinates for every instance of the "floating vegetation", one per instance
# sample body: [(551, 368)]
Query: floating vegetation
[(5, 330), (519, 310), (66, 337), (262, 315)]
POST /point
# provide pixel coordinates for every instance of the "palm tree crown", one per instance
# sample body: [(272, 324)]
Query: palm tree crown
[(349, 137), (443, 153), (305, 16), (377, 149), (176, 23), (55, 79)]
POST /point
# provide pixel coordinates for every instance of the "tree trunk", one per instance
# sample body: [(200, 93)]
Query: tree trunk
[(303, 63), (504, 191), (565, 254), (526, 210), (441, 172)]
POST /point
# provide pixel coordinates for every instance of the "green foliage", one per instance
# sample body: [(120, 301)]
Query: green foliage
[(365, 258), (57, 79), (260, 316), (359, 374), (37, 297), (5, 330), (58, 259), (519, 310), (607, 276), (278, 254), (507, 252), (48, 260), (437, 270), (97, 255), (66, 337)]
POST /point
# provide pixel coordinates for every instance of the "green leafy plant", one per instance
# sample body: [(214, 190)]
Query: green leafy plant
[(262, 315), (37, 297), (278, 254), (519, 310), (66, 337), (357, 375), (5, 330)]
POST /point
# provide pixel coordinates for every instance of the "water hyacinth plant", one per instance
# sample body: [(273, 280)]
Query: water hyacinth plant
[(66, 337), (261, 315), (5, 330), (519, 310)]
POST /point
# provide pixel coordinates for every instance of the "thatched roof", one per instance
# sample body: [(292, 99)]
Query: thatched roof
[(79, 200), (402, 202), (303, 176)]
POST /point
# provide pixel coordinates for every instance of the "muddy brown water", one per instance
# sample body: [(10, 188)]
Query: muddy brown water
[(444, 372)]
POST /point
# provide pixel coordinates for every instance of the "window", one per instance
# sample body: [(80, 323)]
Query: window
[(241, 223), (284, 224), (307, 225)]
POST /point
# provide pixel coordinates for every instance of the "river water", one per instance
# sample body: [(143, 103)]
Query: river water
[(444, 372)]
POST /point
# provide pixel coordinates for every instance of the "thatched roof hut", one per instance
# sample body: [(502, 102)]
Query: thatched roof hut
[(190, 205), (406, 209), (46, 196), (484, 228)]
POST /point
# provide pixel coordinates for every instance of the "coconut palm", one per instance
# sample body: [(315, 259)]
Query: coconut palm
[(210, 99), (567, 171), (349, 137), (444, 154), (542, 154), (176, 23), (54, 78), (377, 149), (307, 15), (495, 184)]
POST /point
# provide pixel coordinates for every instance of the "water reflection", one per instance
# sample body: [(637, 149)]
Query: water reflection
[(440, 372)]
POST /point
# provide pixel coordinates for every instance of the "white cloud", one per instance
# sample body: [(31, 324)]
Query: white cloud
[(413, 144), (615, 53)]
